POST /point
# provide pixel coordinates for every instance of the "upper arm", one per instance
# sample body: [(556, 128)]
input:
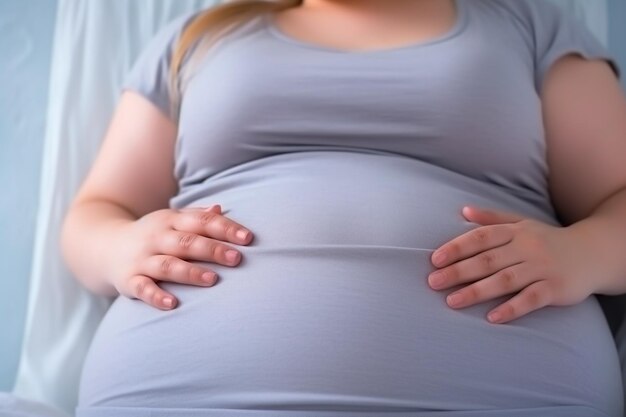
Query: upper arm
[(134, 167), (584, 112)]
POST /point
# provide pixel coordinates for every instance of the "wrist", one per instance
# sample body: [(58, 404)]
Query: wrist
[(593, 234), (111, 250)]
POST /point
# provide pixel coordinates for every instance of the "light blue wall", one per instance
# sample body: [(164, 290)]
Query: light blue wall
[(617, 40), (26, 28)]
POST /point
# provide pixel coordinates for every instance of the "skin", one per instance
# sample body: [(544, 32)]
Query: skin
[(584, 113)]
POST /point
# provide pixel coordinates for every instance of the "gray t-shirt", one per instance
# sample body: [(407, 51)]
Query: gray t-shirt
[(351, 168)]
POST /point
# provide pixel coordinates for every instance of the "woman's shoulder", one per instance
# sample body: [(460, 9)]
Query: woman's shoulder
[(538, 21), (528, 13), (549, 31)]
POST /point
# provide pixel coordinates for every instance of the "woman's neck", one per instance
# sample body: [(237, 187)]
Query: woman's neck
[(367, 24), (397, 10)]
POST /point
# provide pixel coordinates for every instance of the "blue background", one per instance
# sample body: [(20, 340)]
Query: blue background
[(26, 29)]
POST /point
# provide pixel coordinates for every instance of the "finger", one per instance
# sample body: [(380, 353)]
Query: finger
[(212, 224), (170, 268), (216, 208), (191, 246), (490, 216), (506, 281), (146, 290), (535, 296), (470, 243), (474, 268)]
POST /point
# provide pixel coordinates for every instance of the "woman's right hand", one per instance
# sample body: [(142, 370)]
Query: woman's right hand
[(157, 247)]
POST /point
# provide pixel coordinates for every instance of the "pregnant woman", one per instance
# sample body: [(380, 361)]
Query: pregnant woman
[(353, 143)]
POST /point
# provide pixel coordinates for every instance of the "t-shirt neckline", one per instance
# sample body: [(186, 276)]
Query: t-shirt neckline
[(454, 31)]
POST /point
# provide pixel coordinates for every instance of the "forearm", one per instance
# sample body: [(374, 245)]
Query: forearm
[(604, 235), (87, 237)]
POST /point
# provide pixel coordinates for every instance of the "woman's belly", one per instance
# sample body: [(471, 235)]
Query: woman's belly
[(330, 308)]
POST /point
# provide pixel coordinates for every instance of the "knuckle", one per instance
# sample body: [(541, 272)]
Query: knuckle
[(507, 280), (472, 293), (453, 250), (206, 217), (166, 264), (533, 297), (155, 298), (162, 217), (216, 251), (450, 274), (140, 286), (480, 236), (444, 275), (230, 229), (507, 310), (487, 260), (185, 240), (195, 274)]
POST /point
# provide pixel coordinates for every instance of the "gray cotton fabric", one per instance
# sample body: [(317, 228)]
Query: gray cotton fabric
[(351, 168)]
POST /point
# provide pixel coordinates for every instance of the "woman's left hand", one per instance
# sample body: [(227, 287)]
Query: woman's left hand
[(508, 253)]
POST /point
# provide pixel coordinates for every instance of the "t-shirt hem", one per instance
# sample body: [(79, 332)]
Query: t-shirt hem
[(556, 411)]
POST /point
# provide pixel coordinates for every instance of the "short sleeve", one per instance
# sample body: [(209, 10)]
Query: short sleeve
[(149, 75), (558, 33)]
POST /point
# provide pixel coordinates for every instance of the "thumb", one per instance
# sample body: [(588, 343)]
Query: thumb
[(215, 208), (487, 217)]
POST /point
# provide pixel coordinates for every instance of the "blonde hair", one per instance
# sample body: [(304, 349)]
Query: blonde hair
[(216, 21)]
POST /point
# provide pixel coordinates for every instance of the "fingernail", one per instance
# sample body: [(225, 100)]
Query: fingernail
[(208, 277), (232, 255), (439, 258), (494, 317), (168, 301), (455, 299), (243, 234), (435, 280)]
